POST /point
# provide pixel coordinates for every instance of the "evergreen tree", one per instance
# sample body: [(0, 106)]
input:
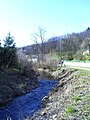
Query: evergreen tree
[(9, 52), (1, 54)]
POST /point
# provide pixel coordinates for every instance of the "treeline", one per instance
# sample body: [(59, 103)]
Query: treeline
[(70, 46), (8, 52)]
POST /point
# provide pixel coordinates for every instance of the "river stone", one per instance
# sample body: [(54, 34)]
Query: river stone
[(44, 101)]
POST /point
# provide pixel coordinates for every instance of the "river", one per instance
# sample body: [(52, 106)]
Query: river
[(28, 104)]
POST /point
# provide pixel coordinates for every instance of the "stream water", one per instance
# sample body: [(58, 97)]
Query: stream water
[(28, 104)]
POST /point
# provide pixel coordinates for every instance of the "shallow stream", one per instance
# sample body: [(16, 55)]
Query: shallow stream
[(28, 104)]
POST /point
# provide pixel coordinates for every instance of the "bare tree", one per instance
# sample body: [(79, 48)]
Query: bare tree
[(39, 39)]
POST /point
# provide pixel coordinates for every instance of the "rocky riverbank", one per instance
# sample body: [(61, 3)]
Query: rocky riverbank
[(70, 100), (13, 84)]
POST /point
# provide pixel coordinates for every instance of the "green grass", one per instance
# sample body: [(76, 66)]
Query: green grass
[(75, 60), (80, 103), (76, 98), (86, 107), (87, 97), (70, 109), (83, 73), (86, 73)]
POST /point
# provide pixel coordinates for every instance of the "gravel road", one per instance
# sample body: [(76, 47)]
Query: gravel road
[(79, 65)]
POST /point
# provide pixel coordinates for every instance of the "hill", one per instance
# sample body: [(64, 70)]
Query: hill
[(67, 44)]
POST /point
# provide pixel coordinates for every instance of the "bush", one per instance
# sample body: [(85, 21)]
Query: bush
[(69, 56), (79, 56), (88, 57), (25, 66), (51, 63)]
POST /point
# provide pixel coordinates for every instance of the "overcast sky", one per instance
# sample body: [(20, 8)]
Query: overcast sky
[(58, 17)]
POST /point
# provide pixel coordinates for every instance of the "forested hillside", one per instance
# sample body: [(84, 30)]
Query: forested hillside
[(70, 45)]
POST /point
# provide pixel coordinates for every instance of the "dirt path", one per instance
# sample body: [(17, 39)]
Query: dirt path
[(78, 65)]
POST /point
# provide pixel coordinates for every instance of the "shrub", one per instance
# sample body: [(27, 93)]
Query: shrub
[(69, 56), (88, 57), (51, 63), (25, 67), (79, 56)]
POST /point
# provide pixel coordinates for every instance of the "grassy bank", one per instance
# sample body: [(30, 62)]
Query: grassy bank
[(79, 105), (70, 100)]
